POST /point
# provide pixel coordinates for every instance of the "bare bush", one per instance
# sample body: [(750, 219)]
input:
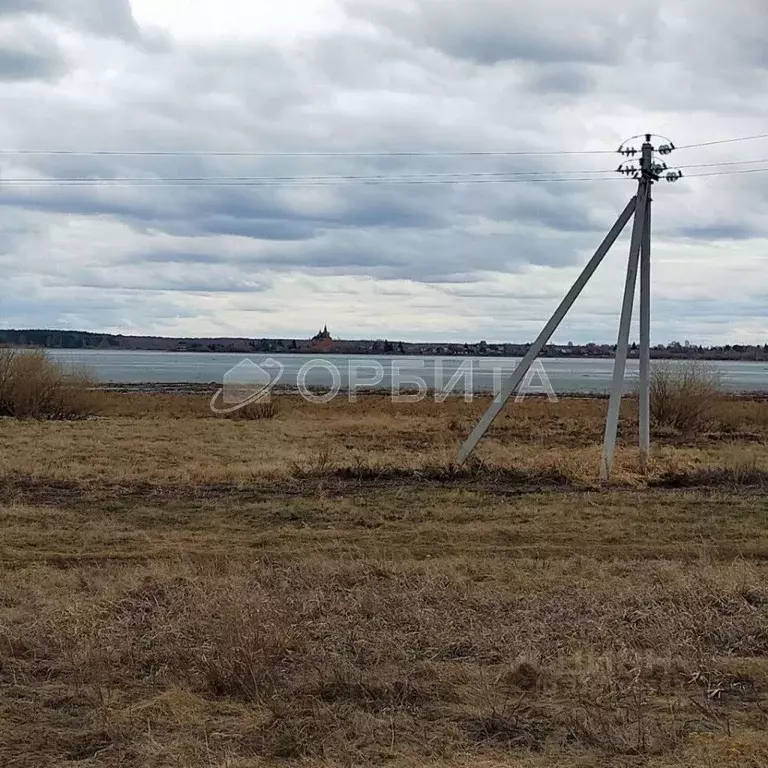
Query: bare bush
[(685, 396), (258, 411), (33, 386)]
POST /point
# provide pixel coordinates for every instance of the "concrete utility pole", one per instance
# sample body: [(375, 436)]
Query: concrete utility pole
[(622, 343), (639, 206), (645, 328)]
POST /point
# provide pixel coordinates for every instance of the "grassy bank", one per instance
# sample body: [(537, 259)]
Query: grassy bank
[(176, 440), (325, 587)]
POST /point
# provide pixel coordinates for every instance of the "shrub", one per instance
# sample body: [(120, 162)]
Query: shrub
[(33, 386), (263, 409), (685, 395)]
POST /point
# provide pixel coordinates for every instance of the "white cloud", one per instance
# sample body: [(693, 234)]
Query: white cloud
[(413, 261)]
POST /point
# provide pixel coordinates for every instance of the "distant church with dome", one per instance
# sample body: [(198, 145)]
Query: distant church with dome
[(322, 335), (322, 340)]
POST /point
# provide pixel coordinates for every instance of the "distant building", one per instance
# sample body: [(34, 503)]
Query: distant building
[(322, 341), (322, 335)]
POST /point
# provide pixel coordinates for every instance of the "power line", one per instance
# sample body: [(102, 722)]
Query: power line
[(224, 182), (326, 177), (724, 141), (725, 173), (724, 162), (330, 181), (456, 177), (228, 153), (448, 176), (339, 153)]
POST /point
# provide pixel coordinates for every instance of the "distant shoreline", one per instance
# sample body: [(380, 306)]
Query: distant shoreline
[(547, 354), (182, 388), (324, 344)]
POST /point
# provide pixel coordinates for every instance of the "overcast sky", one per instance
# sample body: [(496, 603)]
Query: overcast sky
[(418, 261)]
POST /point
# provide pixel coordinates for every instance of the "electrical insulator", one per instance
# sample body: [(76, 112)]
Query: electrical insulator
[(649, 170)]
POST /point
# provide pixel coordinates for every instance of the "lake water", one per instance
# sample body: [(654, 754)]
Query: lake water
[(566, 375)]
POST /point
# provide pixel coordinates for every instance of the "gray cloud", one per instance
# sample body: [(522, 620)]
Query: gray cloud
[(725, 231), (562, 79), (19, 65), (422, 75), (100, 17), (491, 31), (27, 53)]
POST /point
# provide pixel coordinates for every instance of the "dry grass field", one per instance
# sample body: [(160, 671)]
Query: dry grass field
[(323, 586)]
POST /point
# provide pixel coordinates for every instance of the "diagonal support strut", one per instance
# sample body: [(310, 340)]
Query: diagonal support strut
[(513, 382)]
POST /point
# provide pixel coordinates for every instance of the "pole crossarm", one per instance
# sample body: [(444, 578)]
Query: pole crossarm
[(513, 382)]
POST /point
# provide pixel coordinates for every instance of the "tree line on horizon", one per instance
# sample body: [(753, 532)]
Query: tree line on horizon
[(62, 339)]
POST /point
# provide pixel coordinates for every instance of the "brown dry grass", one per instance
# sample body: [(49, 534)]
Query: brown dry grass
[(176, 440), (324, 588)]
